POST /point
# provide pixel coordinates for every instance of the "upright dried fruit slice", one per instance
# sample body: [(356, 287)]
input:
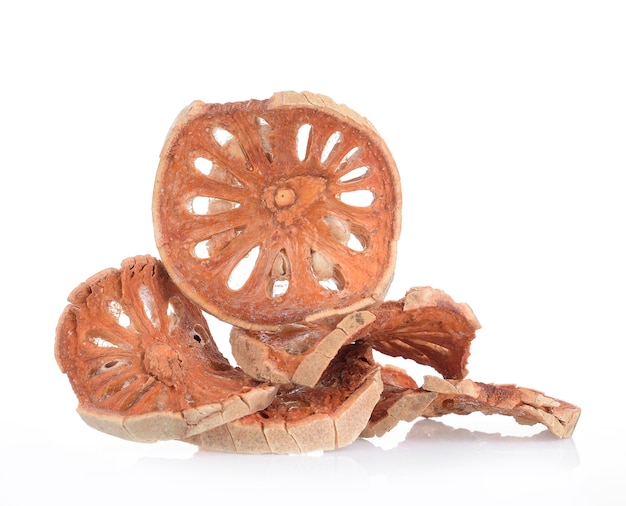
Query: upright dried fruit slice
[(277, 211), (141, 359), (306, 419)]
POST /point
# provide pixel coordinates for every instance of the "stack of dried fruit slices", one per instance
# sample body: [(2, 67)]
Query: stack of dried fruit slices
[(280, 217)]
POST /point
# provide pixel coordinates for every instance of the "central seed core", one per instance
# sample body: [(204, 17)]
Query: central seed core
[(284, 197)]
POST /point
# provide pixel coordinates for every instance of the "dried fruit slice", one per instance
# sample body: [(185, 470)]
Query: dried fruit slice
[(401, 400), (277, 211), (297, 353), (303, 419), (426, 326), (141, 359), (527, 406)]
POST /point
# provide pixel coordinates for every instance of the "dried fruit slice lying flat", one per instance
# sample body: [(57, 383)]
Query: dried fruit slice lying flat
[(303, 419), (527, 406), (277, 211), (142, 361), (426, 326), (402, 399)]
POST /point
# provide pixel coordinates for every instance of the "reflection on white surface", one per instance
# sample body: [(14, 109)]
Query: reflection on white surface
[(432, 460), (430, 446), (447, 446)]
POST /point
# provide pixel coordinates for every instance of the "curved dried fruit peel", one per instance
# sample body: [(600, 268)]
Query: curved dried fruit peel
[(303, 419), (277, 211), (141, 359), (297, 353), (426, 326)]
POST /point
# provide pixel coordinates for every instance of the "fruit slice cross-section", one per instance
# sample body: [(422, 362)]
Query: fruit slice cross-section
[(141, 359), (277, 211)]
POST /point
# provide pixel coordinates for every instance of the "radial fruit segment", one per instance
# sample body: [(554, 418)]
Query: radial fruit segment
[(277, 211), (141, 359)]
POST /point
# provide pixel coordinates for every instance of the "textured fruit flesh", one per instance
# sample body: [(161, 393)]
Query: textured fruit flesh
[(436, 334), (132, 344), (339, 381), (280, 202)]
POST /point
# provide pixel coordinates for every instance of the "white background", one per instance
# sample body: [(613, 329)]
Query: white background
[(508, 124)]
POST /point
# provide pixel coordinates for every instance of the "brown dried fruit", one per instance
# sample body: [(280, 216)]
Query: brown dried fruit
[(281, 217), (297, 353), (401, 400), (438, 397), (527, 406), (426, 326), (277, 211), (306, 419), (141, 359)]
